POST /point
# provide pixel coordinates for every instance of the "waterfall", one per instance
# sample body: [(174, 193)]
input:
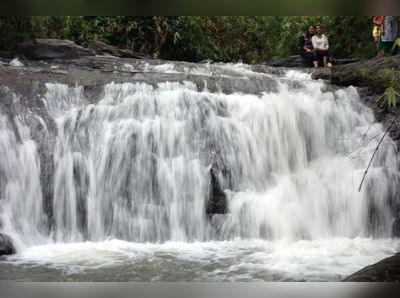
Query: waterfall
[(135, 164), (21, 214)]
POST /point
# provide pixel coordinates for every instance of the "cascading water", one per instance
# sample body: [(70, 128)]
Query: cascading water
[(131, 181)]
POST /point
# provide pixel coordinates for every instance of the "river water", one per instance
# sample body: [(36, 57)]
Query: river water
[(130, 180)]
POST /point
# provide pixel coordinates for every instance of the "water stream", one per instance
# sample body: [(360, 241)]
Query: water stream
[(130, 181)]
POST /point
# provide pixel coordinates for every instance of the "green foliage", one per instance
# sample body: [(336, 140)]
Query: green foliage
[(250, 39), (391, 80), (16, 29), (240, 38), (396, 44)]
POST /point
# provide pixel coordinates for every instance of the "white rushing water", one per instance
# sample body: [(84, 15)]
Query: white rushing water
[(132, 178)]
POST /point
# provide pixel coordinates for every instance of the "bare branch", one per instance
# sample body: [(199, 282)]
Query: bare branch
[(376, 149)]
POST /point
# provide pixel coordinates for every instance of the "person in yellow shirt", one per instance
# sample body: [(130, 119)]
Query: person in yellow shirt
[(376, 32)]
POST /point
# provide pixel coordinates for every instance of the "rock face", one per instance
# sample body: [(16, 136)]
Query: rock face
[(387, 270), (292, 61), (103, 49), (298, 61), (385, 116), (361, 73), (217, 203), (43, 49), (6, 245), (51, 49)]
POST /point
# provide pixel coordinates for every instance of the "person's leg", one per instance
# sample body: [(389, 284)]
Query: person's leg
[(381, 48), (387, 47), (309, 57), (305, 55), (325, 57), (328, 63), (375, 34), (319, 56), (315, 58)]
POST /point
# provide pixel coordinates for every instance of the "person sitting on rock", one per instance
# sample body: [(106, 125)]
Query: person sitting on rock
[(321, 47), (306, 46)]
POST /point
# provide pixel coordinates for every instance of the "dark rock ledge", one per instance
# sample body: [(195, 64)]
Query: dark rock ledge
[(386, 270), (40, 49)]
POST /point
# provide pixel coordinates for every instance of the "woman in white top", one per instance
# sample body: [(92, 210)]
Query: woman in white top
[(321, 47)]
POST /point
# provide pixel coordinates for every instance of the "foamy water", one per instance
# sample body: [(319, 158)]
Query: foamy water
[(237, 261), (131, 182)]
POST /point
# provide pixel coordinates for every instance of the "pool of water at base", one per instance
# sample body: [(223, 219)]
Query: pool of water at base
[(239, 260)]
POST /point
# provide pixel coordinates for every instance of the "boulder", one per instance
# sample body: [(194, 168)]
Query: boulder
[(386, 270), (6, 245), (40, 49), (102, 49)]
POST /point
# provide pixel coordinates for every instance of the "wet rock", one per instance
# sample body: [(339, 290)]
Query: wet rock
[(206, 62), (291, 61), (39, 49), (7, 54), (386, 270), (217, 203), (6, 245), (102, 49), (298, 61)]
